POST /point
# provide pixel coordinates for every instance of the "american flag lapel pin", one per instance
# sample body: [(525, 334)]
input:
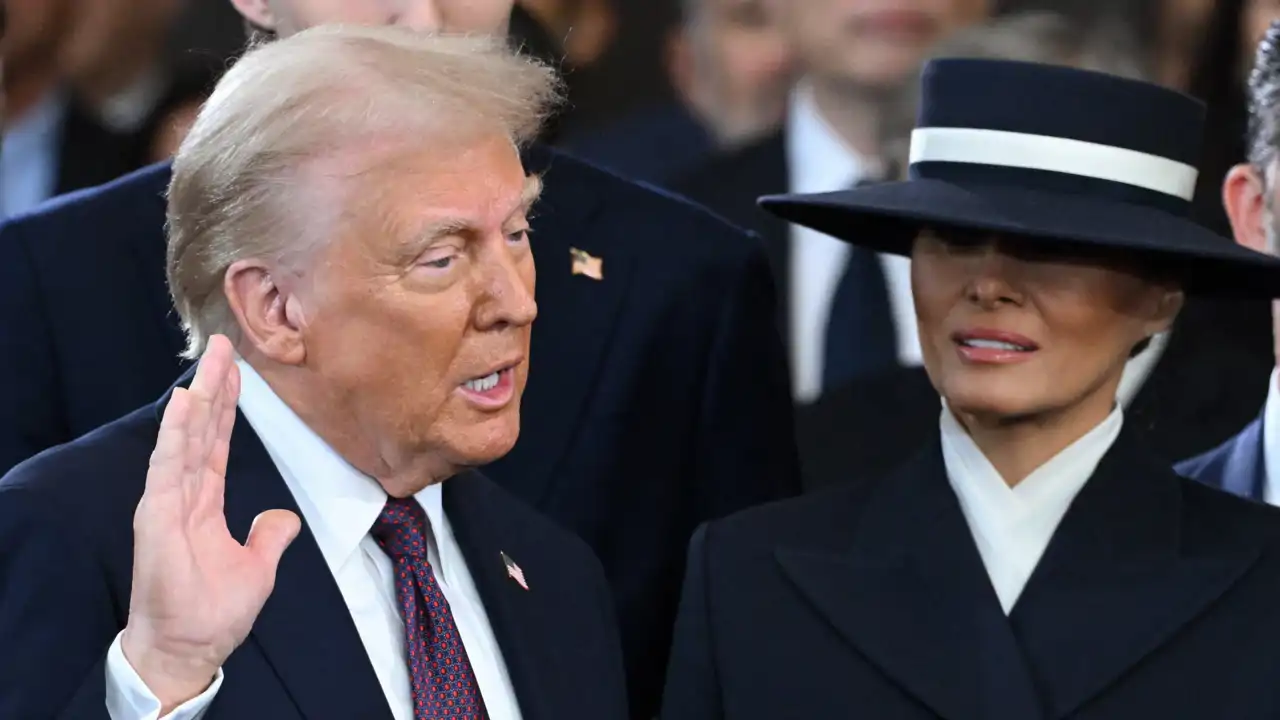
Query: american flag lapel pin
[(513, 570), (585, 264)]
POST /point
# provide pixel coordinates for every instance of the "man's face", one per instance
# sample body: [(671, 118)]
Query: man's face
[(733, 65), (870, 43), (101, 29), (33, 31), (418, 314), (287, 17)]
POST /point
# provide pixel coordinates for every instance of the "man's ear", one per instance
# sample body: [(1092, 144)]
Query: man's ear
[(256, 12), (1244, 197), (271, 320)]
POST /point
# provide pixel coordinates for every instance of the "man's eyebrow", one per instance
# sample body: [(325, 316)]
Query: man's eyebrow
[(530, 194), (446, 227)]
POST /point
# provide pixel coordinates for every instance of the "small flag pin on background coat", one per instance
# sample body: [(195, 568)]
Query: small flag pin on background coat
[(584, 263), (513, 571)]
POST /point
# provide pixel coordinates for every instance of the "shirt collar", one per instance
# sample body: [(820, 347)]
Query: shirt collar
[(1271, 436), (1055, 483), (339, 503), (818, 160)]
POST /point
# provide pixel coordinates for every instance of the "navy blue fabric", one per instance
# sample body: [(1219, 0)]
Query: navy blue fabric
[(1061, 102), (66, 558), (1156, 597), (654, 146), (860, 337), (1237, 466), (657, 398)]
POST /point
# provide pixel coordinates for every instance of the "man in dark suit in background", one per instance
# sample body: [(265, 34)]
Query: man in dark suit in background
[(376, 276), (731, 69), (851, 55), (1248, 464), (658, 398)]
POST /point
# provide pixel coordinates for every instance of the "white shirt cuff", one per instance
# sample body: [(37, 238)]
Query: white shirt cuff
[(128, 698)]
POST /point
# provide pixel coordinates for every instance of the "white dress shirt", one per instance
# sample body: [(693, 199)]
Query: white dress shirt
[(1271, 442), (1012, 526), (29, 156), (818, 160), (339, 505)]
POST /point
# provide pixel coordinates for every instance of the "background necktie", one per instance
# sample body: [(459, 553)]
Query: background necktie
[(860, 335), (444, 685)]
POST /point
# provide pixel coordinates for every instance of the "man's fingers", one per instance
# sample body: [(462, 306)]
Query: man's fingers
[(270, 534), (207, 389), (211, 371), (165, 470), (225, 424)]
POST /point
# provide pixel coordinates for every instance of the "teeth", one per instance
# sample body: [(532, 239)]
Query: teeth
[(995, 345), (484, 384)]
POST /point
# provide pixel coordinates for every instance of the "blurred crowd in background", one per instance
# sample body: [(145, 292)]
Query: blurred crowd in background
[(721, 101), (656, 86)]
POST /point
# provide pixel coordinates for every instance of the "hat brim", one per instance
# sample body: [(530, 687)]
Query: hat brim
[(886, 217)]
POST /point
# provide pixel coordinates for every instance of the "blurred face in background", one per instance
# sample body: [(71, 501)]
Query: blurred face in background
[(870, 43), (286, 17), (33, 31), (732, 65), (103, 32)]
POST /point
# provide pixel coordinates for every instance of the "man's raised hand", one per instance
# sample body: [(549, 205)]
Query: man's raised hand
[(196, 589)]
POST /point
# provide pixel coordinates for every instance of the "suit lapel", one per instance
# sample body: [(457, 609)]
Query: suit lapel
[(523, 620), (1117, 582), (576, 324), (913, 597), (305, 629)]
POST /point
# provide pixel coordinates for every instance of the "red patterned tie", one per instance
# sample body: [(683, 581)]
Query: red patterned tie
[(444, 685)]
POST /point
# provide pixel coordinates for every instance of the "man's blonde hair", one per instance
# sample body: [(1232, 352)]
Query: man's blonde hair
[(235, 191)]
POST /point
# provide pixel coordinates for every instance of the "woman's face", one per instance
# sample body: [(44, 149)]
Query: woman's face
[(1009, 334)]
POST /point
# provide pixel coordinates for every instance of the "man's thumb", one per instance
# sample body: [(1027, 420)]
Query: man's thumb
[(271, 533)]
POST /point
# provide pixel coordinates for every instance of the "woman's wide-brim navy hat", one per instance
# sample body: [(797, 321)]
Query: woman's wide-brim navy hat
[(1083, 160)]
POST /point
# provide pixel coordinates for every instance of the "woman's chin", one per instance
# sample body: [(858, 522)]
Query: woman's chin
[(992, 406)]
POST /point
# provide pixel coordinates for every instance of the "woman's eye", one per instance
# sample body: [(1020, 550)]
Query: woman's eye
[(518, 236)]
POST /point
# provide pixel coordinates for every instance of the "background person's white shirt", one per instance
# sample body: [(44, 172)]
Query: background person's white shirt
[(818, 160), (1271, 443), (339, 505)]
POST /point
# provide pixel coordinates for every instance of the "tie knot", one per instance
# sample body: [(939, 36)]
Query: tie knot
[(401, 529)]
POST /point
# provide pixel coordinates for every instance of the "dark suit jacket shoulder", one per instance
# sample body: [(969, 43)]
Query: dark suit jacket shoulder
[(872, 595), (65, 580)]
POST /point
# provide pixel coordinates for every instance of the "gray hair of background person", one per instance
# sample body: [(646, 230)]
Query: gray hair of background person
[(1264, 106), (1105, 45), (246, 181), (1263, 139)]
